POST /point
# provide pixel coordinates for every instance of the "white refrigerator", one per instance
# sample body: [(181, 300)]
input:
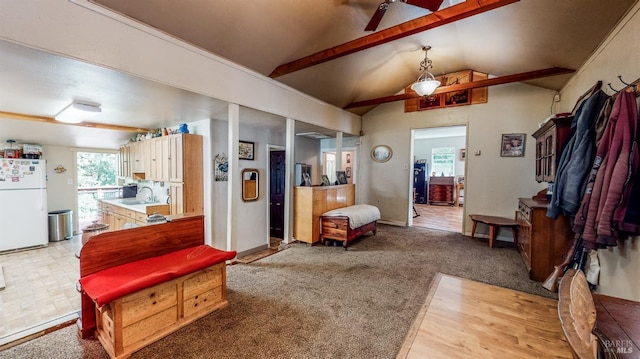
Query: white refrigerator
[(23, 204)]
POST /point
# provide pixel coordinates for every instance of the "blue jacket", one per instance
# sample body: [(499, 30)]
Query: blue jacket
[(577, 158)]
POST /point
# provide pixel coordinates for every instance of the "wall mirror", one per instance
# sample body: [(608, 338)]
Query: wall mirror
[(250, 181)]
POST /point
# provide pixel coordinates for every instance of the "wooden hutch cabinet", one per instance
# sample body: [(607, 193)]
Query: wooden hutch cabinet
[(550, 139), (543, 241)]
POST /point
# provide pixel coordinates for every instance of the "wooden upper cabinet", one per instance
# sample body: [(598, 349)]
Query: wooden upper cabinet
[(175, 158), (137, 157), (125, 169), (158, 159), (550, 140)]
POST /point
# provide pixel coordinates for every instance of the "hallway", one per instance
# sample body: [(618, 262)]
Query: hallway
[(445, 218)]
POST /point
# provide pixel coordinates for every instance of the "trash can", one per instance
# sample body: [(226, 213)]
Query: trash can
[(93, 229), (60, 225)]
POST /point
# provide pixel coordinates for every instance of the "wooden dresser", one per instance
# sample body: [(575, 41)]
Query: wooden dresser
[(309, 203), (441, 190), (543, 241)]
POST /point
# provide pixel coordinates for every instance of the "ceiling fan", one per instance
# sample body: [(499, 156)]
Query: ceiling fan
[(432, 5)]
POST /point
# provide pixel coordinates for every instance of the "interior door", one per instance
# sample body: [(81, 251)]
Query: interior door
[(276, 194)]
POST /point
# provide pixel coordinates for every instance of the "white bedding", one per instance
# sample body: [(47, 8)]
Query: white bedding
[(359, 214)]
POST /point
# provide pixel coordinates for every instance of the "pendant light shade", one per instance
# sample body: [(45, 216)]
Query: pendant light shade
[(426, 83)]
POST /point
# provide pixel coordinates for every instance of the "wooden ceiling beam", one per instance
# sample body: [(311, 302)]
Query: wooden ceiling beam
[(523, 76), (430, 21), (43, 119)]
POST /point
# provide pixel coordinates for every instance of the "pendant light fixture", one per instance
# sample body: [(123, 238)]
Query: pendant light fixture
[(426, 82)]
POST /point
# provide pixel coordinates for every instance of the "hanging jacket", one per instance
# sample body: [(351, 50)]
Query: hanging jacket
[(611, 167), (627, 218), (577, 158)]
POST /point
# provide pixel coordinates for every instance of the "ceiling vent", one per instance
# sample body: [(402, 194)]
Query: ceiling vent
[(314, 135)]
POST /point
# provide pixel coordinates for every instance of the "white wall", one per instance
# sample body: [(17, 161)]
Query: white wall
[(493, 184), (422, 150), (61, 187), (618, 55), (308, 152)]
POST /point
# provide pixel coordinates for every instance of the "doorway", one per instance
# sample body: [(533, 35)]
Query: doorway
[(276, 194), (437, 184), (348, 164)]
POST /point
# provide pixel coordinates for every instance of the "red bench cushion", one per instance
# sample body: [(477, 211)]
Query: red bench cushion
[(115, 282)]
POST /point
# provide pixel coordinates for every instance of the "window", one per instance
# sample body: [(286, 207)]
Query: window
[(443, 161), (97, 178)]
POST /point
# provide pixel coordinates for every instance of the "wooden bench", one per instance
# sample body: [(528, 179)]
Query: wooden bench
[(141, 284), (494, 224)]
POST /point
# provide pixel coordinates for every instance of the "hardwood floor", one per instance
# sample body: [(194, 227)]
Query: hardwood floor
[(445, 218), (462, 318)]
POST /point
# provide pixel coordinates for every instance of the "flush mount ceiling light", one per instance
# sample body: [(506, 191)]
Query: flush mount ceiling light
[(426, 82), (78, 111)]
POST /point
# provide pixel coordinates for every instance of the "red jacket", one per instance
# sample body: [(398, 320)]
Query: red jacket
[(611, 185)]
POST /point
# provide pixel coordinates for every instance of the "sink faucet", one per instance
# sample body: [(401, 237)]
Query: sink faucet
[(149, 198)]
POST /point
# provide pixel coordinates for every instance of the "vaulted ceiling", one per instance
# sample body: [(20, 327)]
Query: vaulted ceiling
[(514, 37)]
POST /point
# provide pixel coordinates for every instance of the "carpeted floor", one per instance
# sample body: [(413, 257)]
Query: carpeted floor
[(320, 302)]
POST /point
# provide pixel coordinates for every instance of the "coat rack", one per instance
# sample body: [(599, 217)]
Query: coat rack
[(633, 85)]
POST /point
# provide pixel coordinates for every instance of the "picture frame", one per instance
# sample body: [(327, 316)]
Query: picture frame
[(512, 145), (246, 150), (381, 153), (306, 179), (325, 180), (342, 177), (348, 172), (463, 154)]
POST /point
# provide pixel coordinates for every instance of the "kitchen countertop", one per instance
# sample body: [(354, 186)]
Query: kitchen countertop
[(133, 204)]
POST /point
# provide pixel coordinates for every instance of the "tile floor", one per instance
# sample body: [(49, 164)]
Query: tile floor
[(40, 286)]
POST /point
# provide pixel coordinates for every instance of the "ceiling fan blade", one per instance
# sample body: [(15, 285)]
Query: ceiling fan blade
[(377, 17), (432, 5)]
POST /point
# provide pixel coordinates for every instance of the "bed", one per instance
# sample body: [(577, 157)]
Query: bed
[(348, 223)]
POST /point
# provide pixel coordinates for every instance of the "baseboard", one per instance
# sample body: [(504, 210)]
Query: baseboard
[(393, 223), (259, 248), (39, 330)]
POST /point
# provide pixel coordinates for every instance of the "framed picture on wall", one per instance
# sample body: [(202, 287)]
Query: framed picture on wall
[(512, 145), (463, 154), (246, 150), (342, 177)]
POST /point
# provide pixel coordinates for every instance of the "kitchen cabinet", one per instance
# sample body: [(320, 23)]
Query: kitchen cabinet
[(542, 241), (158, 169), (117, 216), (176, 159), (176, 194), (125, 169), (550, 140), (185, 173), (137, 152)]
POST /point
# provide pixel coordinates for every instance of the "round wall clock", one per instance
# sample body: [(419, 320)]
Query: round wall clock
[(381, 153)]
